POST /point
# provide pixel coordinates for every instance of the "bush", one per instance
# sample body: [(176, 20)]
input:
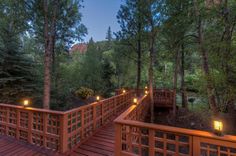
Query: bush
[(84, 92)]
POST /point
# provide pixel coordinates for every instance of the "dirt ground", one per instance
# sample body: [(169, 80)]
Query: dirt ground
[(199, 120)]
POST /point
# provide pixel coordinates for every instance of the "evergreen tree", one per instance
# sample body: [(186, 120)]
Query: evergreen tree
[(16, 78)]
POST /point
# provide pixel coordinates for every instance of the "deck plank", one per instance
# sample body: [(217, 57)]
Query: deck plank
[(12, 147), (100, 144)]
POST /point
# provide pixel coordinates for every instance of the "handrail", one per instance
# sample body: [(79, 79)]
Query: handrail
[(129, 131), (58, 130)]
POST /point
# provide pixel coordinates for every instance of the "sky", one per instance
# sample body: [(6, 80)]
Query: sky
[(98, 15)]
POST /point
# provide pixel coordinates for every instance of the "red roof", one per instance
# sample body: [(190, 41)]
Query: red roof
[(79, 47)]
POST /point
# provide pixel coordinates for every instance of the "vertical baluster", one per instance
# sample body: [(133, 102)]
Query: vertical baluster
[(63, 133), (30, 122), (102, 107), (45, 122), (195, 148), (17, 124), (118, 142), (94, 117), (151, 140), (82, 124)]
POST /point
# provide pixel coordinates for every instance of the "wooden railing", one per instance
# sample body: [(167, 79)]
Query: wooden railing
[(135, 137), (164, 98), (60, 131)]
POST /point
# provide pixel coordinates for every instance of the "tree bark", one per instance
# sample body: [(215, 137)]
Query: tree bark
[(49, 39), (205, 64), (47, 60), (176, 76), (182, 75), (139, 61)]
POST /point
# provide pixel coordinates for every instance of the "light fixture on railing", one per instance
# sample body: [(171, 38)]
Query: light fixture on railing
[(25, 103), (97, 98), (218, 127), (135, 100), (123, 91), (146, 92)]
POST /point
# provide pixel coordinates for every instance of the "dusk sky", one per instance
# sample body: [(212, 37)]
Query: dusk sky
[(98, 15)]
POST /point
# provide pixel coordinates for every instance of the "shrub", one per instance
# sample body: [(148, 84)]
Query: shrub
[(84, 92)]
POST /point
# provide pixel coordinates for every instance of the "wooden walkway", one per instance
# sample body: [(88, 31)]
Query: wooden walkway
[(100, 144), (12, 147)]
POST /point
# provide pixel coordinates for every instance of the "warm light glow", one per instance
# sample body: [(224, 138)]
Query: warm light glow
[(124, 91), (97, 98), (146, 92), (135, 100), (26, 102), (146, 87), (218, 126)]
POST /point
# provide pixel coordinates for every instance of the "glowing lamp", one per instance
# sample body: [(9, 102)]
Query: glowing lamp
[(135, 100), (26, 103), (146, 92), (146, 87), (123, 91), (97, 98), (218, 127)]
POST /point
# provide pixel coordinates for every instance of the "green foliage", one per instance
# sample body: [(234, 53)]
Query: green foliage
[(16, 66), (84, 92)]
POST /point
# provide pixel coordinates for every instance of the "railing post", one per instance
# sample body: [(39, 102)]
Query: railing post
[(30, 122), (17, 124), (45, 122), (82, 124), (7, 121), (195, 146), (102, 115), (118, 143), (94, 117), (151, 142), (63, 133)]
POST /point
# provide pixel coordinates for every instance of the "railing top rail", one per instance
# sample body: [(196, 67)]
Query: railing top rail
[(32, 109), (59, 112), (95, 103), (121, 120)]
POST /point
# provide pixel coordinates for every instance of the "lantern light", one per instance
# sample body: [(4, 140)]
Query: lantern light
[(135, 100), (123, 91), (218, 127), (146, 87), (26, 103), (97, 98), (146, 92)]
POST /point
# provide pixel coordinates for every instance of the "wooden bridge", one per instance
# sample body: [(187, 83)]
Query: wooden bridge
[(113, 126)]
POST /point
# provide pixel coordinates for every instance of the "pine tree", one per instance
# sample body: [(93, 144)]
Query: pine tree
[(16, 78)]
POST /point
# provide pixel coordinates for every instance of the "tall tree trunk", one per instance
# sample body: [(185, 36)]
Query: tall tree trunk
[(49, 37), (210, 88), (47, 60), (227, 56), (139, 65), (151, 78), (176, 76), (182, 75)]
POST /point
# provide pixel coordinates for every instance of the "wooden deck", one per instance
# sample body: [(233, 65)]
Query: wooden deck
[(12, 147), (100, 144)]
